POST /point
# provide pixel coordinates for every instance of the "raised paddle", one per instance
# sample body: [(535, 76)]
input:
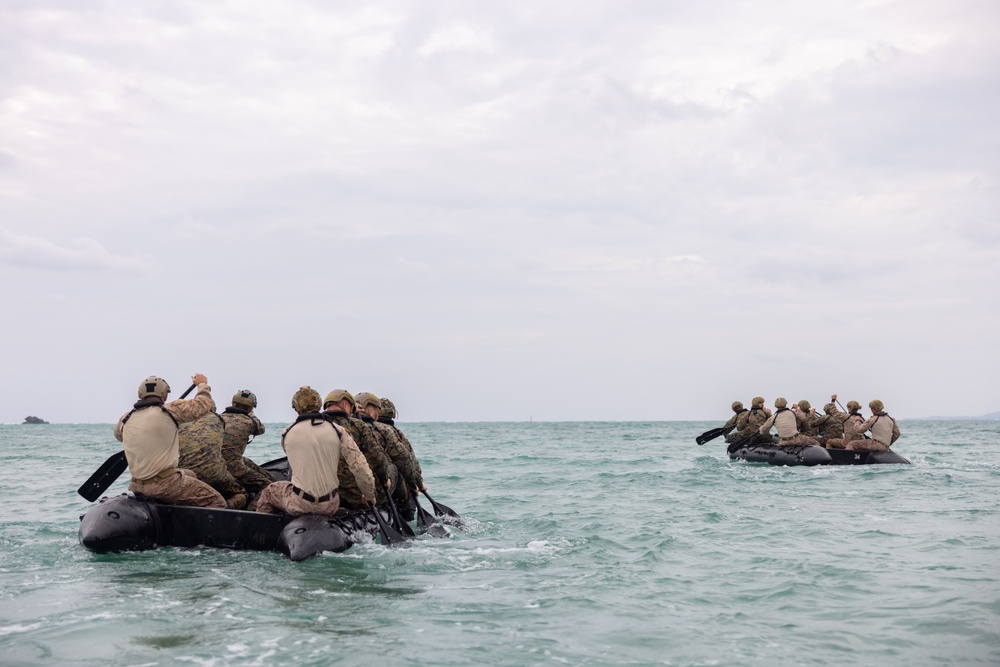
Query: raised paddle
[(440, 509), (427, 522), (404, 527), (109, 471), (711, 435)]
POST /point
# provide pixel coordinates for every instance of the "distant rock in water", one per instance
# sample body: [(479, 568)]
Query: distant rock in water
[(34, 420)]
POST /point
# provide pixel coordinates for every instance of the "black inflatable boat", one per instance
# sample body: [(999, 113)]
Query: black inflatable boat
[(135, 523), (811, 455)]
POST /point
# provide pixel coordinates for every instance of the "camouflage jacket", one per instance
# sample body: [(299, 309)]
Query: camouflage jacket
[(201, 453), (403, 439), (749, 422), (833, 427), (809, 424), (370, 445), (854, 427), (733, 422), (240, 430), (400, 455)]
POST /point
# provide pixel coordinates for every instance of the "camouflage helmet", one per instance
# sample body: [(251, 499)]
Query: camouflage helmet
[(336, 396), (780, 402), (829, 408), (154, 386), (737, 406), (366, 398), (876, 406), (387, 410), (805, 405), (853, 406), (246, 398), (758, 401), (306, 399)]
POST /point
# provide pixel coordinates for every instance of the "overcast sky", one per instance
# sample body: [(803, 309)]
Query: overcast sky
[(501, 211)]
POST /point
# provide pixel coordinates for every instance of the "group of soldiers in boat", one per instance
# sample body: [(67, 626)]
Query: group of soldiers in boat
[(345, 452), (800, 424)]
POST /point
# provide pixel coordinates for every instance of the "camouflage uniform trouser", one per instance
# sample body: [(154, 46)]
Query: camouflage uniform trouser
[(867, 445), (181, 487), (279, 497), (253, 478), (799, 440), (834, 443)]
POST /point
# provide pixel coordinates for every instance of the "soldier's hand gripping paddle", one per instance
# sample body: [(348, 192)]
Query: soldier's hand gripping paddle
[(109, 471), (710, 435)]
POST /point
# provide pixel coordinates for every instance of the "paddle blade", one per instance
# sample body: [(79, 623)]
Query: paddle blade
[(441, 510), (104, 477), (428, 524), (390, 537), (709, 435)]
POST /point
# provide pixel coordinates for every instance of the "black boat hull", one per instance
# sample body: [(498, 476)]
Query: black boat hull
[(792, 455), (811, 455), (128, 523), (847, 457)]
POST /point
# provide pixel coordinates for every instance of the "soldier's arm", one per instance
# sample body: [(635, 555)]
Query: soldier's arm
[(358, 465), (185, 411), (895, 432), (118, 428), (258, 425), (766, 426)]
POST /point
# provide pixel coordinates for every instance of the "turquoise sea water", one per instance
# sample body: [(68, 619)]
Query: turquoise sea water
[(588, 544)]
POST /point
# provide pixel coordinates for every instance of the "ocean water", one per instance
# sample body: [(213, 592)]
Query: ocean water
[(585, 544)]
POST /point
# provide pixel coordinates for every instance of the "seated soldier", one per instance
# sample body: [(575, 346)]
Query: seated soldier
[(201, 453), (315, 447), (149, 434), (785, 422), (241, 427), (884, 430)]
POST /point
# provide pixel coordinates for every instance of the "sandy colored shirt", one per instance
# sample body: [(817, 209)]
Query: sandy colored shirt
[(150, 437), (883, 428), (784, 421), (315, 447)]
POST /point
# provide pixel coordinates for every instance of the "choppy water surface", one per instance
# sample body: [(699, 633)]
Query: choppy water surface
[(588, 544)]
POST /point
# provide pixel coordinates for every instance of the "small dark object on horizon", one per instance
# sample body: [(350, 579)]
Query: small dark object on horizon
[(34, 420)]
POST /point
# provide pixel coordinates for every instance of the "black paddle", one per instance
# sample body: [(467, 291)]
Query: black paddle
[(109, 471), (710, 435), (427, 522), (404, 527), (440, 509), (740, 443), (390, 536)]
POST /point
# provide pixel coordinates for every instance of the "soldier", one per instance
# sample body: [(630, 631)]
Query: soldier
[(853, 431), (149, 434), (201, 453), (749, 422), (409, 479), (337, 408), (785, 422), (315, 447), (241, 426), (387, 415), (832, 432), (733, 422), (883, 427), (809, 422)]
